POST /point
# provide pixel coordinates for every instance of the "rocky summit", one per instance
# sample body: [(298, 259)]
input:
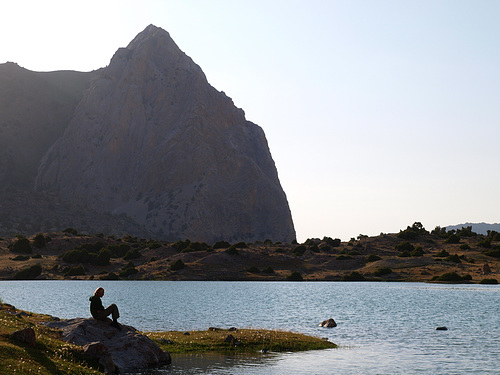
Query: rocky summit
[(151, 140)]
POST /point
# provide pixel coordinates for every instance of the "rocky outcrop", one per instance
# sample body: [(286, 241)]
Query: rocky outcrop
[(125, 349), (153, 140), (26, 335)]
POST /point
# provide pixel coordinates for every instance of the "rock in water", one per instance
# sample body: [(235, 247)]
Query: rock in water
[(152, 139), (128, 349)]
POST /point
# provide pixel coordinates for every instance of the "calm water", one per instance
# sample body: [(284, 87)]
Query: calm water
[(383, 328)]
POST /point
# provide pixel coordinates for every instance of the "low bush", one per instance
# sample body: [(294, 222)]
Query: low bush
[(70, 231), (21, 258), (453, 239), (382, 271), (178, 265), (344, 257), (232, 250), (221, 245), (452, 277), (196, 246), (75, 271), (484, 243), (453, 258), (332, 242), (128, 272), (442, 254), (489, 281), (418, 252), (404, 246), (295, 276), (413, 232), (299, 250), (353, 276), (372, 258), (110, 276), (253, 269), (21, 245), (39, 241), (268, 269), (465, 246), (495, 253), (132, 254), (29, 273)]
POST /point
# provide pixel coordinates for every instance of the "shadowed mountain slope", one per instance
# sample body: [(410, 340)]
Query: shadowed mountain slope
[(153, 140)]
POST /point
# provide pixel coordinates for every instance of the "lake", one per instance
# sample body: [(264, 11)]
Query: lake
[(383, 328)]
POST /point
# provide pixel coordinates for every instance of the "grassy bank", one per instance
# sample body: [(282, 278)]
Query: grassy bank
[(51, 355), (241, 340)]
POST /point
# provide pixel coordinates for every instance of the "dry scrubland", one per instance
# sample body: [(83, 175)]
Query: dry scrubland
[(413, 254)]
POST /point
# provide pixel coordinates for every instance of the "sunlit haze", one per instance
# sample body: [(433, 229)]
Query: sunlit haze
[(377, 113)]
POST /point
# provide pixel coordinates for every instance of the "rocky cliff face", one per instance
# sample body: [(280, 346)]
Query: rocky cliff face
[(153, 140)]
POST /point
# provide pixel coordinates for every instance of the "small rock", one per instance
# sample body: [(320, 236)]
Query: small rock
[(214, 329), (26, 335), (21, 313), (232, 340), (441, 329), (97, 350), (232, 329), (330, 323), (265, 350), (186, 333)]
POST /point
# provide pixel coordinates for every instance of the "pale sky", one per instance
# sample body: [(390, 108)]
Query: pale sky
[(377, 113)]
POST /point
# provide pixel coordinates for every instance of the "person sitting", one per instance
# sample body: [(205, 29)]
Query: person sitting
[(99, 312)]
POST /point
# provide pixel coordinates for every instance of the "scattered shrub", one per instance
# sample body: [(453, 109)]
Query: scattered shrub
[(196, 246), (464, 247), (39, 241), (21, 245), (128, 271), (240, 245), (295, 276), (344, 257), (253, 269), (132, 254), (77, 256), (453, 258), (353, 276), (452, 277), (489, 281), (484, 243), (495, 253), (21, 258), (404, 254), (382, 271), (117, 251), (418, 252), (153, 245), (299, 250), (102, 258), (70, 231), (232, 250), (405, 246), (75, 271), (314, 248), (268, 270), (354, 252), (372, 258), (222, 245), (110, 276), (332, 242), (442, 254), (181, 245), (29, 273), (413, 232), (178, 265), (37, 256), (453, 239)]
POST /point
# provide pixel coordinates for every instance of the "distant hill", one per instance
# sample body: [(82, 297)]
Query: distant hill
[(479, 228)]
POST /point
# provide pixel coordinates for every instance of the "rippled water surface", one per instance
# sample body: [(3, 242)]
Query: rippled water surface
[(383, 328)]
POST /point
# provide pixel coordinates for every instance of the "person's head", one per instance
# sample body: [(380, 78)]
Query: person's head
[(99, 292)]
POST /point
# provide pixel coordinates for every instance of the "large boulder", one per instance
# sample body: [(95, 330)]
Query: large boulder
[(128, 349)]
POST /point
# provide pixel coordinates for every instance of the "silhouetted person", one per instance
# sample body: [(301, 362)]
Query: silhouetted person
[(99, 312)]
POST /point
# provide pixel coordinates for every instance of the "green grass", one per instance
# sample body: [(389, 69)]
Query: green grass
[(50, 355), (252, 340)]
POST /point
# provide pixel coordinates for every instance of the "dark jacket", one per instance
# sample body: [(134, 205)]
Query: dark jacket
[(95, 305)]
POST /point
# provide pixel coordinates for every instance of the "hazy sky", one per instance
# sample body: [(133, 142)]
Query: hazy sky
[(377, 113)]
